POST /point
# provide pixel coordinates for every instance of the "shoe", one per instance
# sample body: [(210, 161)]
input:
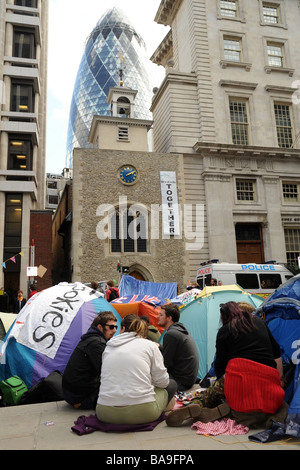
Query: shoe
[(170, 405), (176, 417), (207, 415)]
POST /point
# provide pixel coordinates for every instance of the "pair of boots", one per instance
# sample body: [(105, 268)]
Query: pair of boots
[(205, 415)]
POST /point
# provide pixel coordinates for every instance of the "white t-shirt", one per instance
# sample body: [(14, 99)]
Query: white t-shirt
[(131, 367)]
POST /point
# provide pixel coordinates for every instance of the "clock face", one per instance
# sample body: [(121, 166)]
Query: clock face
[(128, 174)]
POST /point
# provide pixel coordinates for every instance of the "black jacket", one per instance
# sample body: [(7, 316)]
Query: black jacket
[(18, 305), (180, 355), (82, 372), (257, 345)]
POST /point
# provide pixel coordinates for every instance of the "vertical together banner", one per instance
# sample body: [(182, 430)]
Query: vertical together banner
[(170, 209)]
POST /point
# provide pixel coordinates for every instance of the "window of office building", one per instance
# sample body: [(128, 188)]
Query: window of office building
[(13, 230), (275, 54), (53, 200), (229, 8), (232, 49), (290, 192), (20, 153), (271, 13), (245, 190), (239, 121), (283, 125), (129, 232), (22, 99), (26, 3), (292, 245), (24, 44)]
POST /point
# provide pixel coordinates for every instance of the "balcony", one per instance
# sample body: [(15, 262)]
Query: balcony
[(27, 21), (23, 73), (20, 127), (20, 185)]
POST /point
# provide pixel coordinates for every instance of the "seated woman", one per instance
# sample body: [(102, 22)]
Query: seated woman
[(135, 385), (249, 385)]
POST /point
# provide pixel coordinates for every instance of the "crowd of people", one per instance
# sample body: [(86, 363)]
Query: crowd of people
[(134, 377), (17, 303)]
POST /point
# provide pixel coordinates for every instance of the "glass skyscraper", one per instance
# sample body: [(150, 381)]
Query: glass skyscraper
[(114, 51)]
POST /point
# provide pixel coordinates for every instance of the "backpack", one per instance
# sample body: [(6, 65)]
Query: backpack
[(12, 390), (113, 294), (49, 389)]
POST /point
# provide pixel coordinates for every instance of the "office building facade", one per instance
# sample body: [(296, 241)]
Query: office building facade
[(23, 82), (230, 105)]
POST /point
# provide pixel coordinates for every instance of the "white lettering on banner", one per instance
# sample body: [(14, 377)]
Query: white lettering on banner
[(46, 320), (170, 210)]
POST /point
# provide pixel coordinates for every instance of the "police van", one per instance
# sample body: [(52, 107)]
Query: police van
[(260, 279)]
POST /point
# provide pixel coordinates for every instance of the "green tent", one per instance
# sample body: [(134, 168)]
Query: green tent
[(202, 318)]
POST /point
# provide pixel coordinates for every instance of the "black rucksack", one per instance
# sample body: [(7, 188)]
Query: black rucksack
[(48, 389), (113, 294)]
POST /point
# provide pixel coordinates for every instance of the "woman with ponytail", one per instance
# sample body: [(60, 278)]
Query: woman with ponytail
[(135, 385)]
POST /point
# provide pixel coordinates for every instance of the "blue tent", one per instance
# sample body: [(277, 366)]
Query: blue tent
[(202, 319), (281, 312)]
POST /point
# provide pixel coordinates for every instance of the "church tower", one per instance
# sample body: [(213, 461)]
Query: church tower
[(120, 130)]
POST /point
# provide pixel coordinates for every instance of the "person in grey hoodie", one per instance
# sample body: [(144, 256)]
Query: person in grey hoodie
[(178, 348)]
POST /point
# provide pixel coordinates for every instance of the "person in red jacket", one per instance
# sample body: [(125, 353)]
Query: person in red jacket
[(112, 292), (32, 290), (248, 371)]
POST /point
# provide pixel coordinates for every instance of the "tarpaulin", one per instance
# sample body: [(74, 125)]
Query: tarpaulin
[(130, 286)]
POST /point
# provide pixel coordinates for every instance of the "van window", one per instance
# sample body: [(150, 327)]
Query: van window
[(207, 280), (247, 281), (270, 281)]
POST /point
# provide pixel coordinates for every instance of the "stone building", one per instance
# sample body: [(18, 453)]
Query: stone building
[(229, 105), (116, 202)]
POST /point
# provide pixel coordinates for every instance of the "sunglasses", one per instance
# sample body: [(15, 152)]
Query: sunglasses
[(111, 327)]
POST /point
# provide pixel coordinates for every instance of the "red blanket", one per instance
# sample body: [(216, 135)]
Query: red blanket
[(250, 386)]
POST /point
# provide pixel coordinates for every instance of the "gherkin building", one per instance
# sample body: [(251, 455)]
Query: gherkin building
[(114, 52)]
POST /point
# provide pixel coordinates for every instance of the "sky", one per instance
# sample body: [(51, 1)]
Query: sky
[(70, 23)]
